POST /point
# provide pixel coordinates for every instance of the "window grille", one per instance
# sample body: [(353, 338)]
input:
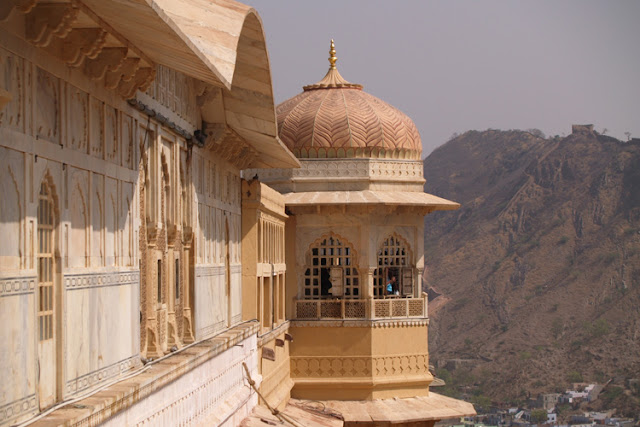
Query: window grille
[(331, 272), (393, 260), (45, 265)]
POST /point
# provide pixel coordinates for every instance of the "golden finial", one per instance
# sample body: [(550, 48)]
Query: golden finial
[(333, 58)]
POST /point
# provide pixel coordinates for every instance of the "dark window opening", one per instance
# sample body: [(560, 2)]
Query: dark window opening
[(177, 279), (159, 281)]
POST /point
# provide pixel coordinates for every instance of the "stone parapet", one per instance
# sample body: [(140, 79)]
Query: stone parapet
[(202, 383), (383, 308), (344, 174)]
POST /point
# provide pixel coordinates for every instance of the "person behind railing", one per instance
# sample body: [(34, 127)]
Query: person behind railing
[(392, 286)]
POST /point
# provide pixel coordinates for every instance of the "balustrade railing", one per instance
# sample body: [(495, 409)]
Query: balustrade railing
[(384, 308)]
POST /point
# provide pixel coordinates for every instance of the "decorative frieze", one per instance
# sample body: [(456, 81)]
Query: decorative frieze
[(17, 286), (92, 280), (355, 366), (206, 271), (345, 366), (375, 170), (93, 378), (18, 408), (401, 364)]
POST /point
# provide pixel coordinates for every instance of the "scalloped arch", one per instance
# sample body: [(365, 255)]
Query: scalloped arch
[(399, 238), (316, 243)]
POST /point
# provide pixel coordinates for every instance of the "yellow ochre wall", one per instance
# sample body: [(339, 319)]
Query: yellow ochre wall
[(335, 360)]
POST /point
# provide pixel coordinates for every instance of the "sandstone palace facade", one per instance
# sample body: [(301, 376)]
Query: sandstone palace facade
[(162, 247)]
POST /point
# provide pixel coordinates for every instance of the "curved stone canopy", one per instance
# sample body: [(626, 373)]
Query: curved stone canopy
[(337, 119)]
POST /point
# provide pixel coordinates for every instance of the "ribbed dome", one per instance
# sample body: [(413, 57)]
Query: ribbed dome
[(335, 119)]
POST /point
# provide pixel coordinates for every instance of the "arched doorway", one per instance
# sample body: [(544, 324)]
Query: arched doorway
[(48, 312)]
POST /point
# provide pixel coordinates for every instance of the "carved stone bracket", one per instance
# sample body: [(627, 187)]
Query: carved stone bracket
[(48, 20), (73, 33), (7, 6), (226, 143)]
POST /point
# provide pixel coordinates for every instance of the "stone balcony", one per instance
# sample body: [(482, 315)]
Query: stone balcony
[(383, 308), (360, 349)]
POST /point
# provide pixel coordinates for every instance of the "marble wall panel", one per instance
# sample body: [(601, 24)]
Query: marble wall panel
[(112, 228), (12, 79), (102, 326), (126, 224), (127, 141), (17, 329), (209, 298), (97, 220), (96, 127), (79, 218), (78, 119), (48, 105), (12, 209), (111, 135)]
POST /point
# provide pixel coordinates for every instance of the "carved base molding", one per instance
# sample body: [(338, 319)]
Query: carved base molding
[(205, 271), (358, 366), (18, 408), (92, 280), (339, 169), (328, 367), (17, 286), (94, 378), (209, 330)]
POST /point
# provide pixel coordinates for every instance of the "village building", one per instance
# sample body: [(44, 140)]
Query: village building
[(143, 281)]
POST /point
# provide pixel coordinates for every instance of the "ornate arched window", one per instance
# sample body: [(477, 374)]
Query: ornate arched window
[(330, 271), (48, 296), (394, 260)]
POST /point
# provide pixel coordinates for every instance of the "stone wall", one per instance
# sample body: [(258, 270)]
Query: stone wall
[(63, 130)]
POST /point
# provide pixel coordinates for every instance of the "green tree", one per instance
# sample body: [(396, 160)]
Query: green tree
[(538, 416), (574, 377)]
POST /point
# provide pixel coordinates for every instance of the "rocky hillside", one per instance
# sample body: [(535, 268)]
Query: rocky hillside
[(539, 271)]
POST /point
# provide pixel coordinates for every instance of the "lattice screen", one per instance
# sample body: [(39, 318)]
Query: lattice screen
[(45, 265), (394, 256), (331, 257)]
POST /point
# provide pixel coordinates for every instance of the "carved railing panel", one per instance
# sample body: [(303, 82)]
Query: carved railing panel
[(388, 308)]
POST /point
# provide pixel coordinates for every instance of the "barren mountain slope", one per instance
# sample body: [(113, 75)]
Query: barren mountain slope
[(539, 270)]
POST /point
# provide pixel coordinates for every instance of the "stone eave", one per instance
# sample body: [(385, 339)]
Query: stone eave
[(370, 197), (433, 407), (197, 38)]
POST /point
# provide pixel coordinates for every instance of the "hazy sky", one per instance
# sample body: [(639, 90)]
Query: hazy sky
[(459, 65)]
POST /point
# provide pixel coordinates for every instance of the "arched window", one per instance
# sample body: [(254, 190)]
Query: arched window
[(330, 270), (47, 313), (394, 260)]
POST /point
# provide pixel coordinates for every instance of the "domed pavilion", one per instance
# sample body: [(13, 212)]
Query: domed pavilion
[(354, 247)]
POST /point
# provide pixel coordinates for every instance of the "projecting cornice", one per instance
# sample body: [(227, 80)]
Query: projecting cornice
[(72, 32)]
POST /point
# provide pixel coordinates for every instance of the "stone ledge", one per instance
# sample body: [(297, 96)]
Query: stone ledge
[(272, 334), (98, 407)]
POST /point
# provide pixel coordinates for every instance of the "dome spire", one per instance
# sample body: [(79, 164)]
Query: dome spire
[(332, 79), (332, 58)]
